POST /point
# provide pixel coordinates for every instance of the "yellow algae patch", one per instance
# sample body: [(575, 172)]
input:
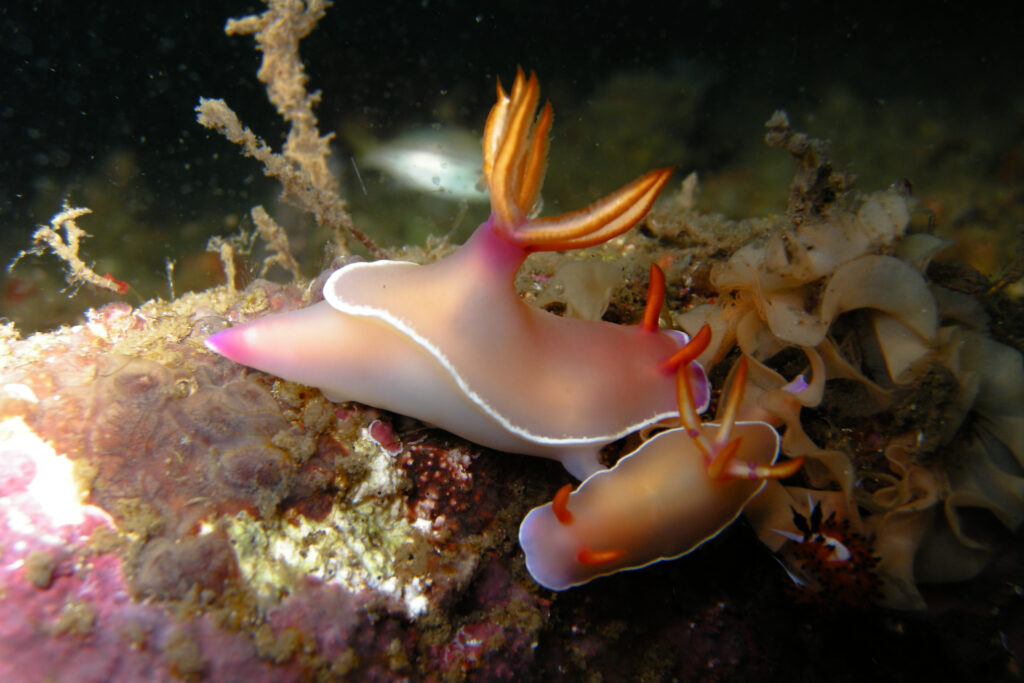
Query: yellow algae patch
[(365, 541), (360, 548)]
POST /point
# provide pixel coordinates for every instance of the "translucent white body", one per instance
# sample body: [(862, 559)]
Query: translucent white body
[(657, 503)]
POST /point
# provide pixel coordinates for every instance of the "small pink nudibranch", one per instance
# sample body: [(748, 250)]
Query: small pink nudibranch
[(451, 343), (675, 492)]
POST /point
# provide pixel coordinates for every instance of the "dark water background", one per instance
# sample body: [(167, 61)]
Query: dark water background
[(96, 102)]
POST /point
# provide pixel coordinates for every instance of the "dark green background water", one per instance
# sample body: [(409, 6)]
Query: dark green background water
[(96, 105)]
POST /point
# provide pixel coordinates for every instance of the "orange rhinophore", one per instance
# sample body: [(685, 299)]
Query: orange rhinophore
[(663, 500), (689, 353), (655, 299)]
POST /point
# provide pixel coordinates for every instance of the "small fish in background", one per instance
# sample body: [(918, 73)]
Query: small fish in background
[(443, 161)]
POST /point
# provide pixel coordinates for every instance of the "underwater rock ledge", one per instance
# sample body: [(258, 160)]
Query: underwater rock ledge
[(206, 504), (213, 519)]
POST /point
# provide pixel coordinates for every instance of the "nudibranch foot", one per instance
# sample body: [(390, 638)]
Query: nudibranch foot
[(678, 490), (423, 340)]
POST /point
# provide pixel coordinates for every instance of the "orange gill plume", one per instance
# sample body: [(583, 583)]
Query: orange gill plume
[(515, 156)]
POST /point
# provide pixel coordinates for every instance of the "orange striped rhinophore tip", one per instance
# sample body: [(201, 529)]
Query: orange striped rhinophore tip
[(515, 151)]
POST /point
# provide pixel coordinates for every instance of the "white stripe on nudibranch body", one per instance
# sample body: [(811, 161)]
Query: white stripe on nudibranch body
[(409, 328)]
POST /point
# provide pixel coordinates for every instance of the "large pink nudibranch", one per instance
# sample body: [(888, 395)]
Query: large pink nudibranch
[(678, 490), (451, 343)]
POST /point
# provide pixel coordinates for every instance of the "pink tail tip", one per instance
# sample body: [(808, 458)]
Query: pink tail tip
[(229, 343)]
